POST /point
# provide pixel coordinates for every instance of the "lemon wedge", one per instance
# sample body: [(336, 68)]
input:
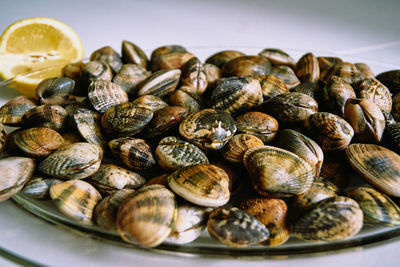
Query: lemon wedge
[(37, 48)]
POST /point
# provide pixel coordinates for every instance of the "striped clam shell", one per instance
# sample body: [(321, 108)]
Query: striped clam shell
[(76, 199), (38, 187), (302, 146), (3, 136), (208, 128), (96, 70), (49, 116), (109, 56), (105, 213), (335, 218), (234, 150), (277, 172), (375, 91), (347, 71), (235, 95), (88, 124), (335, 94), (377, 207), (325, 64), (105, 94), (189, 224), (365, 69), (213, 73), (160, 83), (15, 172), (133, 54), (152, 102), (166, 120), (130, 76), (286, 74), (126, 119), (75, 161), (114, 177), (201, 184), (258, 124), (147, 217), (172, 154), (291, 107), (220, 58), (271, 86), (194, 75), (271, 212), (278, 57), (55, 91), (330, 131), (171, 60), (307, 68), (391, 135), (134, 152), (38, 142), (166, 49), (246, 66), (185, 98), (378, 165), (308, 88), (236, 228), (391, 79), (11, 112)]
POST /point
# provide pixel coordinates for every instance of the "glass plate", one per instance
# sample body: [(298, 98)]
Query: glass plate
[(205, 245)]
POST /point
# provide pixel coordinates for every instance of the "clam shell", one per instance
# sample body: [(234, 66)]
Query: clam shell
[(330, 131), (11, 112), (151, 102), (220, 58), (3, 136), (96, 70), (307, 68), (378, 165), (333, 219), (126, 119), (366, 119), (166, 120), (234, 150), (166, 49), (105, 213), (75, 161), (365, 70), (278, 57), (391, 79), (377, 207), (148, 216), (15, 172), (277, 172), (49, 116), (190, 223), (213, 73), (172, 154), (258, 124), (88, 124), (271, 212), (130, 76), (133, 54), (347, 71), (291, 107), (208, 128), (271, 86), (160, 83), (109, 56), (325, 64), (234, 227), (302, 146), (74, 72), (38, 187), (194, 75), (246, 66), (201, 184), (134, 152), (308, 88), (235, 95), (170, 60), (375, 91), (105, 94), (38, 142), (391, 135), (115, 177), (335, 94), (396, 106), (183, 98), (55, 91), (76, 199), (286, 74)]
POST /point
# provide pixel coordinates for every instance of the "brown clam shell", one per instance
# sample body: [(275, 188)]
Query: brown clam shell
[(307, 68), (11, 113), (246, 66), (258, 124)]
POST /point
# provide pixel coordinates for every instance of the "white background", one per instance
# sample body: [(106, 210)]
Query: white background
[(368, 29)]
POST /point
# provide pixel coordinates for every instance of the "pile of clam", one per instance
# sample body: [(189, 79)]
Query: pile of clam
[(255, 149)]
